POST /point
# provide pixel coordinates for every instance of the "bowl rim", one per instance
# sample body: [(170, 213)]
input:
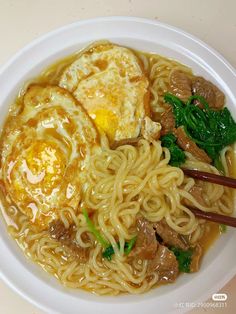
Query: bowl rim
[(56, 31), (111, 18)]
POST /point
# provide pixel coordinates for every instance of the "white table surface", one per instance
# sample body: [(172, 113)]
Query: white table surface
[(213, 21)]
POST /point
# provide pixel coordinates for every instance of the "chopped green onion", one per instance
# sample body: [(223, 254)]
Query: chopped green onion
[(129, 245), (93, 230), (222, 228), (109, 251)]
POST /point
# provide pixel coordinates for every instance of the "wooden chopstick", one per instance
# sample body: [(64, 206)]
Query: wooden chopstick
[(211, 177), (222, 219)]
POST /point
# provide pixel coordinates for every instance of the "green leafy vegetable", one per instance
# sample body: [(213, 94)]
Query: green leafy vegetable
[(184, 258), (222, 228), (93, 230), (177, 154), (210, 129), (109, 251)]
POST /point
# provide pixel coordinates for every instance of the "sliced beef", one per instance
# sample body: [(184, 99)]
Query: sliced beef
[(196, 191), (165, 264), (196, 258), (209, 91), (169, 236), (66, 236), (189, 146), (146, 243), (160, 259), (167, 121), (58, 231), (180, 85), (127, 141), (150, 130), (148, 232)]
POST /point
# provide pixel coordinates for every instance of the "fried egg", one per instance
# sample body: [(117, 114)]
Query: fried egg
[(110, 83), (45, 153)]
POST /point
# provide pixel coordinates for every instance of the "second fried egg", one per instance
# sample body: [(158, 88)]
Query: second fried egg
[(110, 82)]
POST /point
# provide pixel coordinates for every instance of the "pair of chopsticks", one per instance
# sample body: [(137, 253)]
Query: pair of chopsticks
[(217, 179)]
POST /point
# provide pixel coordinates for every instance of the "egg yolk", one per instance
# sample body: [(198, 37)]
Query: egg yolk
[(106, 121), (35, 178), (44, 164)]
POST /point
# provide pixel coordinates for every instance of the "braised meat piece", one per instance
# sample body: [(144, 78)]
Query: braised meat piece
[(169, 236), (146, 243), (66, 237), (160, 259), (167, 121), (58, 231), (196, 191), (165, 264), (127, 141), (196, 258), (209, 91), (180, 85), (189, 146)]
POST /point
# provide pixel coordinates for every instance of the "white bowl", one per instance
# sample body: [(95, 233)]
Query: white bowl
[(28, 279)]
